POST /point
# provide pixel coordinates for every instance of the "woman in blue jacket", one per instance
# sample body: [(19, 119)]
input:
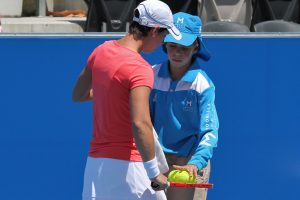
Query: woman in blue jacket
[(182, 106)]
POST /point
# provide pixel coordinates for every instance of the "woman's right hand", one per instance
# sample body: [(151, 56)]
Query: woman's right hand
[(160, 182)]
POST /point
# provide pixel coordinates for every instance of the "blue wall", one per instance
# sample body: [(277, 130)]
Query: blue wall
[(44, 136)]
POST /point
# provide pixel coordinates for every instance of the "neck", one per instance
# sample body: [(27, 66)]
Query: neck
[(129, 42), (178, 72)]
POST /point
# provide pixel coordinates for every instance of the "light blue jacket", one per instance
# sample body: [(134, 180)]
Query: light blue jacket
[(184, 115)]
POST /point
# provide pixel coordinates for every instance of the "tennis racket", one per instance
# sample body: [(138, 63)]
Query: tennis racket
[(187, 185), (191, 185)]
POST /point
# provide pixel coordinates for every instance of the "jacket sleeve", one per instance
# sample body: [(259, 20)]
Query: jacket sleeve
[(152, 98), (208, 132), (151, 106)]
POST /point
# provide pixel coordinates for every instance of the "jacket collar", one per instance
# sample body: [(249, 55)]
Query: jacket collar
[(189, 76)]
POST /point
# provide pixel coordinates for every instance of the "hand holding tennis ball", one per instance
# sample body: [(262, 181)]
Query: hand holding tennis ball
[(181, 176)]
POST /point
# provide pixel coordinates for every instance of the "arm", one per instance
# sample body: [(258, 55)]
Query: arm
[(208, 129), (142, 130), (83, 87), (141, 123)]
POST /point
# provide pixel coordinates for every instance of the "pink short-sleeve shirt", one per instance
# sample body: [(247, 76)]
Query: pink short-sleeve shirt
[(115, 71)]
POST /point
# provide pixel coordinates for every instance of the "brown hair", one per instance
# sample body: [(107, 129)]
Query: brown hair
[(139, 31)]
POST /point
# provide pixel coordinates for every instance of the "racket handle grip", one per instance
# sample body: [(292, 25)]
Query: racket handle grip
[(155, 185)]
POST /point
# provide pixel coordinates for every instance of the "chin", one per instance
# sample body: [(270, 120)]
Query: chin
[(176, 63)]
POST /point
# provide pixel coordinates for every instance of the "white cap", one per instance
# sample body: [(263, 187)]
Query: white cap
[(155, 13)]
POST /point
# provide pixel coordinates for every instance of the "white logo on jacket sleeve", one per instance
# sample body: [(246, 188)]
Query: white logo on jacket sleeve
[(207, 137)]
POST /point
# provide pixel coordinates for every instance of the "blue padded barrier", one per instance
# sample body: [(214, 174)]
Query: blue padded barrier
[(44, 136)]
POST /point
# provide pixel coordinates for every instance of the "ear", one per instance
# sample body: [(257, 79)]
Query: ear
[(154, 31), (164, 48), (196, 49)]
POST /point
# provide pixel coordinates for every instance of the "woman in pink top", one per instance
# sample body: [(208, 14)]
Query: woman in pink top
[(121, 162)]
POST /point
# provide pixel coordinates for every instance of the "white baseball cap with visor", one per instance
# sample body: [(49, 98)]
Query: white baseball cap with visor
[(155, 13)]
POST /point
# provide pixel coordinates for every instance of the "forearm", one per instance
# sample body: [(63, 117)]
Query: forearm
[(142, 132), (204, 151), (201, 156)]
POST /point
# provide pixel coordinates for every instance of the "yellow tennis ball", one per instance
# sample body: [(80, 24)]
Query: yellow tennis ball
[(171, 176), (181, 176)]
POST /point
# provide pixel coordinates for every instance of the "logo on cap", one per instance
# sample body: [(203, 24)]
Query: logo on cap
[(180, 20)]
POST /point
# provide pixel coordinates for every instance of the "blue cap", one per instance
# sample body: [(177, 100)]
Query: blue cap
[(190, 28)]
